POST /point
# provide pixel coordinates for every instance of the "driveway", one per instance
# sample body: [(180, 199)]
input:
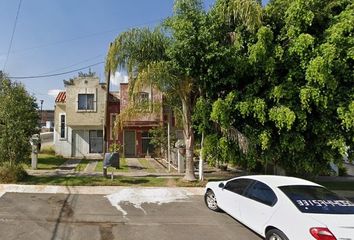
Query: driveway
[(82, 216)]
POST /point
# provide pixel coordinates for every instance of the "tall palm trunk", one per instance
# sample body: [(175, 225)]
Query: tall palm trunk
[(188, 138)]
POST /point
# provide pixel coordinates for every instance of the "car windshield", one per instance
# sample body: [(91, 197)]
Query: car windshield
[(316, 199)]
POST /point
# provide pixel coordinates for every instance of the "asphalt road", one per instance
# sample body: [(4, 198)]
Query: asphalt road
[(61, 216)]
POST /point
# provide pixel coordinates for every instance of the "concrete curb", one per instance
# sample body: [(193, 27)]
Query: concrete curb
[(97, 190)]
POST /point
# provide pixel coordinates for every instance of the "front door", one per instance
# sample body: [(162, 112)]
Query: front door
[(129, 143), (78, 142), (96, 141)]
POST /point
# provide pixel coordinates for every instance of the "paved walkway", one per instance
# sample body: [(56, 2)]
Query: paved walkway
[(134, 165), (135, 169), (90, 167), (158, 166), (70, 164)]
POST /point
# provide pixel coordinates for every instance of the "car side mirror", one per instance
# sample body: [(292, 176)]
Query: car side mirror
[(221, 185)]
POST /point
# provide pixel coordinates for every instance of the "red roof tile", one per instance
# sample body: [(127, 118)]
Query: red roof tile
[(61, 97)]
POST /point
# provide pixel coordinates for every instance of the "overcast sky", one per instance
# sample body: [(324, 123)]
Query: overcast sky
[(54, 36)]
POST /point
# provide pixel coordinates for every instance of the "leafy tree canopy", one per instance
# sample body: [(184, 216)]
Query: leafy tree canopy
[(292, 90), (18, 122)]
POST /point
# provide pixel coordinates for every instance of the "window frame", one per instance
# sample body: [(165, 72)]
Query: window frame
[(143, 101), (146, 138), (90, 138), (61, 127), (143, 97), (86, 109)]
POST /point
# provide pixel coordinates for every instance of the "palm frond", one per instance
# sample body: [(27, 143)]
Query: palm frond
[(247, 12), (136, 48), (236, 136)]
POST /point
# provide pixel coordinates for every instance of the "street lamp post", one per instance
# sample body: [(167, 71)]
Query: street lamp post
[(41, 114)]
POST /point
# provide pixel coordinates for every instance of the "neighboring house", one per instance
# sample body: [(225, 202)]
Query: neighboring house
[(135, 133), (113, 109), (46, 120), (80, 118)]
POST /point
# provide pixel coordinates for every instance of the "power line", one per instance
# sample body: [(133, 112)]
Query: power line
[(81, 37), (12, 35), (74, 64), (57, 74)]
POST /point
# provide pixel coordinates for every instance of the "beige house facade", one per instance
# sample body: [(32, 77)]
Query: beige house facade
[(79, 118)]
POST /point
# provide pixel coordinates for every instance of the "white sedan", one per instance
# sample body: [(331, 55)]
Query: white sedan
[(283, 208)]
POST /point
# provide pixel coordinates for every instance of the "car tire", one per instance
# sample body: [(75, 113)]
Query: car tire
[(210, 201), (275, 234)]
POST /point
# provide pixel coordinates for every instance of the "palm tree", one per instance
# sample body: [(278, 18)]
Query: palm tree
[(168, 57)]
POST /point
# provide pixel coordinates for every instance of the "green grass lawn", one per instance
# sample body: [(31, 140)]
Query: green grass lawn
[(122, 166), (47, 162), (145, 163), (96, 181)]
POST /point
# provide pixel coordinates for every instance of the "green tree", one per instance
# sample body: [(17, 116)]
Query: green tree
[(293, 94), (168, 59), (159, 139), (18, 122)]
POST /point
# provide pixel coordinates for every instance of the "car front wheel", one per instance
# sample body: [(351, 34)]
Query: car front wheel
[(210, 200), (275, 234)]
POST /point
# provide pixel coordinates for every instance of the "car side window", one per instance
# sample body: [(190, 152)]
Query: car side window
[(238, 185), (260, 192)]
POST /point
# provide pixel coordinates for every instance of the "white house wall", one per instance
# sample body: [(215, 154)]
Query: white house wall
[(80, 148), (63, 146)]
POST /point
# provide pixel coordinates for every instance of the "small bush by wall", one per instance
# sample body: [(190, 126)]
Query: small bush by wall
[(11, 173)]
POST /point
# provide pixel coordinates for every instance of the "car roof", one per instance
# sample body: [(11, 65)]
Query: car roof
[(277, 181)]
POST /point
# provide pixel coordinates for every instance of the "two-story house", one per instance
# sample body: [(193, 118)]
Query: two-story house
[(79, 118), (134, 136)]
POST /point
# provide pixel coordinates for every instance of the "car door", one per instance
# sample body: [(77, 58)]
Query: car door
[(258, 206), (230, 194)]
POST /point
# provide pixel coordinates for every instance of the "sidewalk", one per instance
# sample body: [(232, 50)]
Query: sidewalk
[(135, 169), (99, 190)]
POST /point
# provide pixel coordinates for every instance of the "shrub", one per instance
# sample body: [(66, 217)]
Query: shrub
[(115, 147), (11, 173), (342, 171)]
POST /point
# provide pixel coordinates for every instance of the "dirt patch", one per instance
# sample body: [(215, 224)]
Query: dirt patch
[(171, 182)]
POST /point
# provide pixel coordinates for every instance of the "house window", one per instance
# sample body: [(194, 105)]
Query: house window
[(62, 126), (147, 147), (112, 124), (86, 102), (96, 141), (143, 97)]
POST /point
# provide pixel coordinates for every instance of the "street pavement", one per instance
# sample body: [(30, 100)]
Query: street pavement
[(82, 216)]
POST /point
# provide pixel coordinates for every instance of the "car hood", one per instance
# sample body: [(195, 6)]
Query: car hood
[(341, 225)]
